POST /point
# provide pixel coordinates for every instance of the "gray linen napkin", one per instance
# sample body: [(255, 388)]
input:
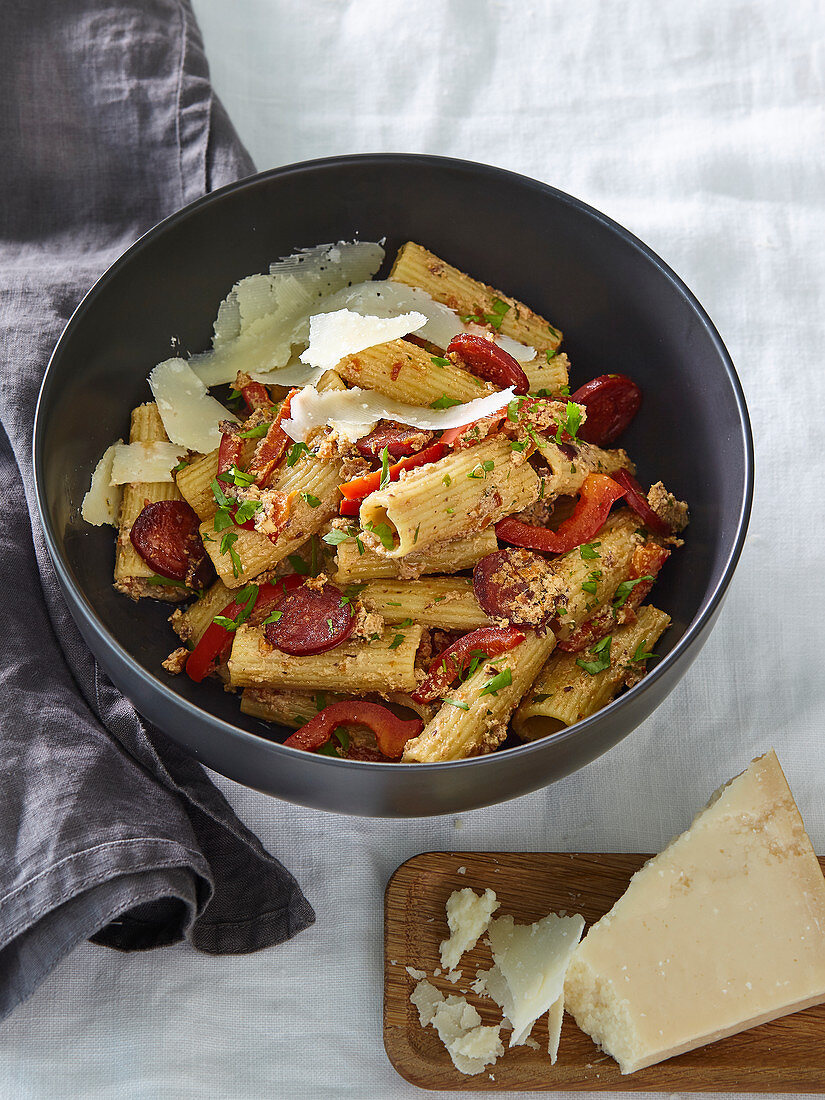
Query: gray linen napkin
[(107, 124)]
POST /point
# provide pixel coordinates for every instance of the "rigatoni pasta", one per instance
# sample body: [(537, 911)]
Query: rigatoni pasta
[(403, 538)]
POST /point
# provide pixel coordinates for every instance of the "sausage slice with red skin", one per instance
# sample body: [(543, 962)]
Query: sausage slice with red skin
[(488, 361), (399, 439), (517, 585), (611, 401), (312, 620), (166, 536)]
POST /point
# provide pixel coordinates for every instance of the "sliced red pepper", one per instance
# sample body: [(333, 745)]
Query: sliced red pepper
[(597, 496), (256, 396), (638, 502), (349, 507), (391, 733), (451, 662), (361, 487), (217, 640), (229, 452), (272, 448), (488, 361)]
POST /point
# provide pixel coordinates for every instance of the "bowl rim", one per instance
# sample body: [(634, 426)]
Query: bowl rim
[(153, 682)]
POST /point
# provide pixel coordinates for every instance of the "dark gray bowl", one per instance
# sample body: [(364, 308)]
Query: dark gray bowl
[(621, 309)]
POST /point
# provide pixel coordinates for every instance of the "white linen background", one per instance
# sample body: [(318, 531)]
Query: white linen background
[(699, 126)]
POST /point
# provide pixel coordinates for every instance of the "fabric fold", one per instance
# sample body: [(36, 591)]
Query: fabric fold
[(107, 830)]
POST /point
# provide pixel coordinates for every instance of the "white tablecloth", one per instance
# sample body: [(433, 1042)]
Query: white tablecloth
[(701, 127)]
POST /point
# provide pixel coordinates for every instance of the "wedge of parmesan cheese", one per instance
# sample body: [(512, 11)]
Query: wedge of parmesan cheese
[(332, 336), (468, 917), (101, 503), (154, 461), (723, 930), (190, 416), (354, 413), (385, 298), (555, 1016), (531, 962), (471, 1045)]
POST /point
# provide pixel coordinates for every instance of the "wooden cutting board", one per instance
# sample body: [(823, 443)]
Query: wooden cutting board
[(787, 1055)]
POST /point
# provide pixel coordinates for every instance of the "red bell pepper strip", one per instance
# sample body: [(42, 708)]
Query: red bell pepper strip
[(488, 361), (638, 502), (450, 435), (272, 448), (492, 641), (598, 494), (349, 507), (391, 733), (229, 452), (256, 396), (217, 640), (361, 487)]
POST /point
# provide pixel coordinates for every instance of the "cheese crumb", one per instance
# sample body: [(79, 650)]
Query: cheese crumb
[(468, 917)]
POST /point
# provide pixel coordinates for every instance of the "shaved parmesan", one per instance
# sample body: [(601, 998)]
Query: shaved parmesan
[(135, 462), (555, 1015), (190, 416), (468, 916), (102, 502), (384, 298), (265, 317), (335, 335), (531, 961), (354, 413)]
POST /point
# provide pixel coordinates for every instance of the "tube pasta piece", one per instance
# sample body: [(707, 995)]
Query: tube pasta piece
[(455, 732), (353, 667), (407, 373), (131, 571), (565, 693), (195, 480), (287, 708), (467, 491), (191, 625), (567, 475), (415, 266), (442, 557), (448, 603), (603, 575), (310, 479), (545, 373)]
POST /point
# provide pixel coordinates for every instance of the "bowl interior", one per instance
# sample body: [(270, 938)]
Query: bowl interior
[(619, 309)]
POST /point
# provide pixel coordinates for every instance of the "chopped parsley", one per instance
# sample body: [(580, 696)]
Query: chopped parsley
[(589, 551), (384, 533), (601, 651), (385, 468), (166, 581), (455, 703), (415, 536), (640, 654), (397, 640), (311, 568), (295, 452), (502, 680), (180, 466), (228, 547), (273, 618), (551, 353), (221, 499), (335, 537), (554, 332), (255, 433), (591, 584), (247, 510), (626, 587), (447, 480), (481, 469), (440, 361), (571, 423), (235, 476), (338, 739), (444, 402), (312, 501)]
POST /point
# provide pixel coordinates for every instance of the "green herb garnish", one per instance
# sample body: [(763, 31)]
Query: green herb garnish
[(626, 587), (601, 651)]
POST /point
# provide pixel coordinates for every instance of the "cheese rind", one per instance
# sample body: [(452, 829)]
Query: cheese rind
[(723, 930)]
